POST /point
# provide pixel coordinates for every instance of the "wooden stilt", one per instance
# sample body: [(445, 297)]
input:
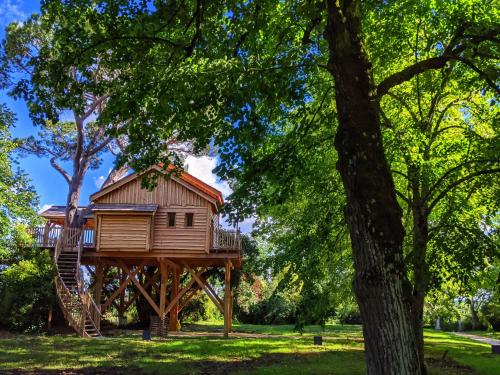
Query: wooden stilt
[(227, 299), (121, 310), (99, 273), (99, 276), (163, 288), (174, 312)]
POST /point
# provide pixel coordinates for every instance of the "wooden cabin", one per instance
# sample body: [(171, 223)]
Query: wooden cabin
[(174, 226)]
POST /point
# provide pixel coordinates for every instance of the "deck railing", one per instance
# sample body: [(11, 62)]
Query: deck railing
[(225, 239), (48, 236)]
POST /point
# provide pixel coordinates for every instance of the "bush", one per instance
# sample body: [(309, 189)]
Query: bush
[(26, 293)]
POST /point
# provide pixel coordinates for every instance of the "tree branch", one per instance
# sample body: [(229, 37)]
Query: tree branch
[(60, 169), (452, 170), (451, 52), (94, 105), (458, 182), (403, 197)]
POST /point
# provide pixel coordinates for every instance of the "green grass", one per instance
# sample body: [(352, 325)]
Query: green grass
[(262, 350)]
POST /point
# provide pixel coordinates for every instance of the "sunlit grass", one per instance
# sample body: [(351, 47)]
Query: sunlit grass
[(261, 349)]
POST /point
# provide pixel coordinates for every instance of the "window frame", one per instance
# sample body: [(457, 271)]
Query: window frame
[(189, 216), (169, 216)]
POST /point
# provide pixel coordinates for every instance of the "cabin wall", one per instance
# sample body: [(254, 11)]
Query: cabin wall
[(123, 232), (171, 196)]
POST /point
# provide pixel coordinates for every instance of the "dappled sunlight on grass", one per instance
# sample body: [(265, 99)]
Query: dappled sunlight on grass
[(269, 350)]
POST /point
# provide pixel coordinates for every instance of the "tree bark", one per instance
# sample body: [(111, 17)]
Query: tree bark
[(372, 213), (75, 187)]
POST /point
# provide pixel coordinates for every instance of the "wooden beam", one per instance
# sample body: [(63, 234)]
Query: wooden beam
[(146, 286), (180, 294), (108, 294), (227, 299), (98, 277), (122, 287), (189, 297), (211, 290), (141, 289), (163, 288), (174, 312), (214, 299)]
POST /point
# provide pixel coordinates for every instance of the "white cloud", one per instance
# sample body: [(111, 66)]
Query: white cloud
[(44, 207), (10, 10), (98, 181), (201, 167)]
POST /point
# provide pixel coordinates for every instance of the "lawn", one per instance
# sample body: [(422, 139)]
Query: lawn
[(252, 350)]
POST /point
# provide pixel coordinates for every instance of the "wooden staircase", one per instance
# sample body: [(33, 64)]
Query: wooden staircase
[(75, 300)]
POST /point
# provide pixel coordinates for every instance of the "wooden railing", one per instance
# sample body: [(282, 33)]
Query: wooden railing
[(225, 239), (77, 305), (48, 237)]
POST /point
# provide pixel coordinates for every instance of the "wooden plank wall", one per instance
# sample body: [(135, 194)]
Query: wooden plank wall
[(166, 193), (180, 237), (172, 197), (123, 233)]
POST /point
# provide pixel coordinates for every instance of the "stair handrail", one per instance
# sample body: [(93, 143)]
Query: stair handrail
[(75, 307), (91, 309), (64, 294)]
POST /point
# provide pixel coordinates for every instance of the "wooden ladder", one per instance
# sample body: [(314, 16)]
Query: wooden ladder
[(75, 300)]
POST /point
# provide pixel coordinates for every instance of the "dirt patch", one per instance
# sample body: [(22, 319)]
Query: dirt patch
[(448, 366)]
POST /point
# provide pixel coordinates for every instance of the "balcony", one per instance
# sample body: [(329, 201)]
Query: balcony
[(47, 237), (225, 240), (222, 240)]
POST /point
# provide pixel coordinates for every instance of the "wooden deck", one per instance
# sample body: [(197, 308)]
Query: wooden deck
[(222, 240)]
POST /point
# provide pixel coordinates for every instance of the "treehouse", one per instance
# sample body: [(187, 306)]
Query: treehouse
[(162, 241)]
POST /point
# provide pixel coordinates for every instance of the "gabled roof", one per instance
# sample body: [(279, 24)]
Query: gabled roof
[(186, 179)]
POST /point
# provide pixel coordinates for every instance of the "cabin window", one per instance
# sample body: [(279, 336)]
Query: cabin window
[(171, 219), (189, 219)]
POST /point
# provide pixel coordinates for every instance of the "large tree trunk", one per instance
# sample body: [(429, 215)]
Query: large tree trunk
[(372, 213), (75, 186)]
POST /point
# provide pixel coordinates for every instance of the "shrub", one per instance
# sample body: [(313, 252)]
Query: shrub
[(26, 293)]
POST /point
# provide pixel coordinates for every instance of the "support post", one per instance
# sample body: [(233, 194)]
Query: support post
[(174, 312), (163, 288), (99, 277), (121, 310), (227, 299)]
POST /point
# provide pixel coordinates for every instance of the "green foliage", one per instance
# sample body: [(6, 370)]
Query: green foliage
[(18, 199), (26, 293)]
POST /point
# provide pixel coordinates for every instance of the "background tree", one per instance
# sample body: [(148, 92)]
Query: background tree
[(71, 91), (25, 273), (441, 141), (18, 199)]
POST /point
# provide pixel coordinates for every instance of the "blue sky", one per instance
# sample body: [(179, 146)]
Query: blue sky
[(49, 184)]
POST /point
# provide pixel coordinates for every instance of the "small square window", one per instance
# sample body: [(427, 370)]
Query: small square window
[(171, 219), (189, 219)]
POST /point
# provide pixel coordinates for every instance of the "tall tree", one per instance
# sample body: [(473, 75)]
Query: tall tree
[(440, 132), (81, 141), (229, 75)]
